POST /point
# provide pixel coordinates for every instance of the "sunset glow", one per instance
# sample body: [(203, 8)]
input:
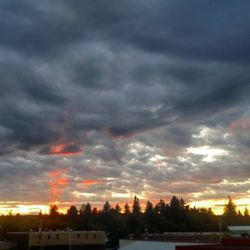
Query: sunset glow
[(57, 183), (20, 208), (91, 182), (64, 150)]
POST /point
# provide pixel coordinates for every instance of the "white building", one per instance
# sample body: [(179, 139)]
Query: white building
[(239, 231), (152, 245)]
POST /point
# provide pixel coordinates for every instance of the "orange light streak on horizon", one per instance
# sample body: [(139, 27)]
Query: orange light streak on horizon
[(56, 183), (24, 208)]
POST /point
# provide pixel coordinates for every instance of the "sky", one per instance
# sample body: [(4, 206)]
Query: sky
[(104, 100)]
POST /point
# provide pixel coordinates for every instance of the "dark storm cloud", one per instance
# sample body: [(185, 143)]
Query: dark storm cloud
[(207, 29), (34, 28), (190, 29), (45, 27)]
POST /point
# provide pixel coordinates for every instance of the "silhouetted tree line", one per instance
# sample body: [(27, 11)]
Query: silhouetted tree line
[(175, 216)]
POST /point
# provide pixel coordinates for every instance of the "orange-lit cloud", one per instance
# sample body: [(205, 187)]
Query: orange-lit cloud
[(242, 124), (57, 182), (91, 182), (65, 149), (63, 145)]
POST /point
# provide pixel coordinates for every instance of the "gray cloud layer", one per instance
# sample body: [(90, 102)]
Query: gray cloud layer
[(128, 88)]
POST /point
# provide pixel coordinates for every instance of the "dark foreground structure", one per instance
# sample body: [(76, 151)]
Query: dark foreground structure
[(58, 240), (7, 245), (228, 243)]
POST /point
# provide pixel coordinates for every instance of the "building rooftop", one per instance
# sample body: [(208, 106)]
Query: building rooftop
[(55, 232), (152, 245), (6, 245), (239, 228)]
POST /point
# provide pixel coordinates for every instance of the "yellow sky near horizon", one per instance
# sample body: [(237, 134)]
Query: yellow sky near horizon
[(24, 208)]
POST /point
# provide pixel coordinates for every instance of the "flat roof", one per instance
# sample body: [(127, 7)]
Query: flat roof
[(239, 228), (6, 245), (155, 245), (55, 232)]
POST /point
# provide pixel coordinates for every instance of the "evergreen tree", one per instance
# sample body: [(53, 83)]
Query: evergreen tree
[(246, 212), (72, 212), (95, 211), (175, 208), (149, 216), (117, 208), (106, 208), (149, 208), (72, 215), (86, 217), (86, 210), (160, 207), (178, 214), (127, 209), (53, 210), (136, 206), (230, 212)]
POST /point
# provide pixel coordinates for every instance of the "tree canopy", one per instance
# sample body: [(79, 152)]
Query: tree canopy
[(120, 222)]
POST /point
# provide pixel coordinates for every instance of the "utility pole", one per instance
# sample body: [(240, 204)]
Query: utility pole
[(70, 243), (41, 235), (220, 229)]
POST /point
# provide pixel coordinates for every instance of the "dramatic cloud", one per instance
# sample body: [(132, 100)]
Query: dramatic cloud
[(102, 100)]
